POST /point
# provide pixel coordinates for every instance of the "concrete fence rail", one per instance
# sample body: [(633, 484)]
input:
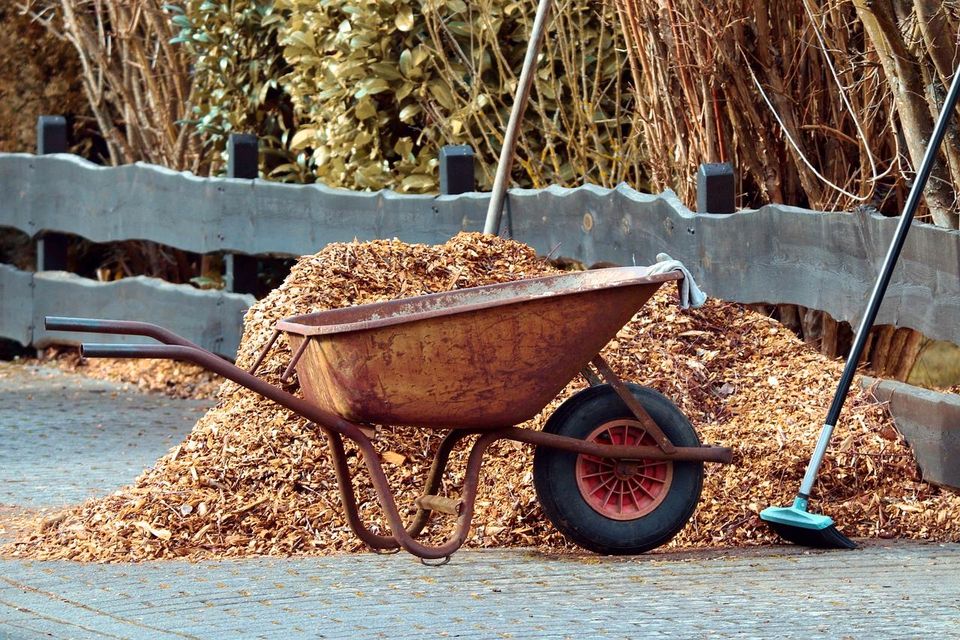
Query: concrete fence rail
[(930, 423), (211, 319)]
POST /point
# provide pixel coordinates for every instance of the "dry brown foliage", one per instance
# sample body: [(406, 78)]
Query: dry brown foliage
[(137, 83), (39, 75), (827, 105), (820, 104)]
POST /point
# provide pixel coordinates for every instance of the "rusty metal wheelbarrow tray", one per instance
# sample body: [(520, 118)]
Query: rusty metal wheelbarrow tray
[(485, 357), (474, 361)]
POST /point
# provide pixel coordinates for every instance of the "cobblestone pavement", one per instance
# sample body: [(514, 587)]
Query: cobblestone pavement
[(67, 438), (108, 433), (899, 591)]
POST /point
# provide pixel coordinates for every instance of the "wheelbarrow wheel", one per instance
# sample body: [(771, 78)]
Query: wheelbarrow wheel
[(617, 507)]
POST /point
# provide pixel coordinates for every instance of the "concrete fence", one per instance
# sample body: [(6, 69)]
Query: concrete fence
[(774, 255)]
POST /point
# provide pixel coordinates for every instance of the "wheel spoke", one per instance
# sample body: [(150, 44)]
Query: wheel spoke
[(653, 478), (598, 474), (633, 495), (606, 462), (610, 487), (649, 493), (639, 434), (609, 495), (646, 491), (603, 485)]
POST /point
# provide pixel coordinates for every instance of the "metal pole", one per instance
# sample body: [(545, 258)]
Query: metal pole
[(243, 157), (495, 210), (53, 248)]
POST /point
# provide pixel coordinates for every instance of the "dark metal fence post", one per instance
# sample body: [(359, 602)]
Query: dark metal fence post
[(52, 247), (242, 162), (456, 169), (243, 156), (715, 188)]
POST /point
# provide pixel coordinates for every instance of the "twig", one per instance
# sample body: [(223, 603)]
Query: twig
[(790, 139)]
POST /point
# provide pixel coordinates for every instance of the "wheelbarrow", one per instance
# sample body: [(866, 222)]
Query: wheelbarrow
[(617, 467)]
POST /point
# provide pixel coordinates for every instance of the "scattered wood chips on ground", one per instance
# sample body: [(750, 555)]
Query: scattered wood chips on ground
[(176, 379), (253, 479)]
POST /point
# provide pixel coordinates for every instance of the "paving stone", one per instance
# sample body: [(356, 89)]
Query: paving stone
[(897, 590), (67, 438)]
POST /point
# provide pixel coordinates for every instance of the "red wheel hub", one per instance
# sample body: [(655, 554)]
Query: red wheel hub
[(623, 489)]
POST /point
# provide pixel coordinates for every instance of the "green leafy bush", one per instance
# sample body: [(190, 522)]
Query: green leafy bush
[(380, 85), (363, 93), (236, 66)]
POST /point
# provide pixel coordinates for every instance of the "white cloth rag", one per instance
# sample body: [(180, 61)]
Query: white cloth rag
[(690, 294)]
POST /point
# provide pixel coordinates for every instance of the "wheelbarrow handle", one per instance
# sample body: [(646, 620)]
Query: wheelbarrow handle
[(103, 350), (216, 364), (119, 327)]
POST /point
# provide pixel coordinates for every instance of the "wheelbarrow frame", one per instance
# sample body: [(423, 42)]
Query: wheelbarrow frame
[(336, 428)]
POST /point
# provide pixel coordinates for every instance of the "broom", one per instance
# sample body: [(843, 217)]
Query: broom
[(795, 523)]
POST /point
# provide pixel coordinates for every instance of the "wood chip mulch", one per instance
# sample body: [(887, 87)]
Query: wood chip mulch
[(253, 479), (176, 379)]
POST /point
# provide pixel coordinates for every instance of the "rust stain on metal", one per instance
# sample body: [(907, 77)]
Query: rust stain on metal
[(475, 358)]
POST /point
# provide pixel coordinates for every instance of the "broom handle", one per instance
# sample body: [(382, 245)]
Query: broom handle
[(495, 209), (876, 297)]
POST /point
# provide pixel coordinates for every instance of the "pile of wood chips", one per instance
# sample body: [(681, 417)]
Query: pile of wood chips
[(176, 379), (253, 479)]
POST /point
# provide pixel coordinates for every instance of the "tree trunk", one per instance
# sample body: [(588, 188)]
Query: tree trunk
[(904, 77), (811, 322), (910, 346), (934, 24), (881, 348), (790, 317), (829, 335)]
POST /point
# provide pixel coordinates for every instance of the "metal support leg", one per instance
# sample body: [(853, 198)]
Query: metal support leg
[(635, 407)]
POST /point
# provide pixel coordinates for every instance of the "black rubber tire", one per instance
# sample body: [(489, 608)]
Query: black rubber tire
[(554, 474)]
